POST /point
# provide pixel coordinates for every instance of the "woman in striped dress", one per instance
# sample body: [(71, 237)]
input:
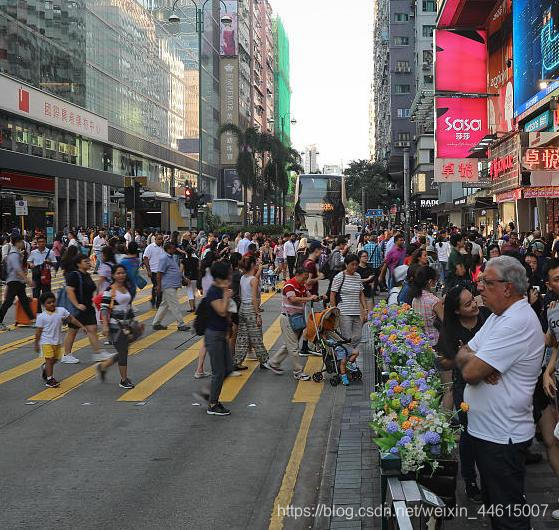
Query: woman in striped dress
[(347, 295), (249, 334), (117, 317)]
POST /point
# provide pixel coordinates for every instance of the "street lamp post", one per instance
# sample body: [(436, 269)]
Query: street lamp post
[(293, 121), (175, 19)]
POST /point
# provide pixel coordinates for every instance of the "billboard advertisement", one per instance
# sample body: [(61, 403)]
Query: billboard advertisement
[(461, 61), (461, 123), (228, 34), (536, 54), (229, 77), (500, 69), (232, 185)]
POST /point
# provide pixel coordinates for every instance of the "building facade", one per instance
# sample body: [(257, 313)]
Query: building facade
[(310, 162), (282, 87), (101, 92)]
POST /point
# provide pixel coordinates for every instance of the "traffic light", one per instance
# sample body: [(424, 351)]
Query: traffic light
[(133, 197), (190, 198)]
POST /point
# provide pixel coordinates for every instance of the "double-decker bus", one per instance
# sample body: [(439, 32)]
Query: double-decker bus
[(320, 205)]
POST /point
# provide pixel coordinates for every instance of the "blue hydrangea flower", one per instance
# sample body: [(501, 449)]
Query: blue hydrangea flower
[(404, 373), (409, 432), (405, 384), (436, 449), (432, 438), (405, 400), (393, 383), (410, 362), (390, 392), (404, 440), (394, 450), (392, 427)]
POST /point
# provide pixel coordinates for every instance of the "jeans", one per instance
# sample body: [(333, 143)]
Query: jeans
[(444, 269), (38, 291), (291, 265), (502, 471), (217, 347), (98, 259), (16, 289), (155, 298)]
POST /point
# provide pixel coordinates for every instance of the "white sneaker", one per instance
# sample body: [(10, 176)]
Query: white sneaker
[(235, 373), (101, 356), (69, 359)]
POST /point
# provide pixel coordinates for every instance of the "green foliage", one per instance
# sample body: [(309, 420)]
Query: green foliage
[(213, 222), (375, 180)]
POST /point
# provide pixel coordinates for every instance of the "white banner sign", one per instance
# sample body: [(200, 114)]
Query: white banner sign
[(456, 170), (37, 105)]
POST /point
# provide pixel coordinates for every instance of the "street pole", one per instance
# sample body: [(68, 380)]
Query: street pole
[(407, 194), (363, 205), (200, 30)]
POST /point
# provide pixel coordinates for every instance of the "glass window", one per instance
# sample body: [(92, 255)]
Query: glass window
[(429, 6), (403, 89), (403, 113), (401, 17), (402, 66), (428, 79), (403, 136), (428, 30), (401, 41)]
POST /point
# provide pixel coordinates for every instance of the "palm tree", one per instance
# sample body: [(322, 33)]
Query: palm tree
[(248, 142)]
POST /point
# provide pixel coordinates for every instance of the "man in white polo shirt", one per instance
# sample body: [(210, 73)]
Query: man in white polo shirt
[(501, 365), (154, 251)]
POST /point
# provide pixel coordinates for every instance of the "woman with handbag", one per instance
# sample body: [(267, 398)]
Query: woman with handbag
[(347, 295), (79, 292), (292, 322), (119, 324)]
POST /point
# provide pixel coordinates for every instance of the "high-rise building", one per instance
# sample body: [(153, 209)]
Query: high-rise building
[(423, 189), (311, 159), (282, 88), (93, 92), (393, 86)]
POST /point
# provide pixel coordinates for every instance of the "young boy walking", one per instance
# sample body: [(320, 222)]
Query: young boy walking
[(48, 335)]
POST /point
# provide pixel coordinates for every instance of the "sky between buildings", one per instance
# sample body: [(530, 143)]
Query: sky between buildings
[(330, 75)]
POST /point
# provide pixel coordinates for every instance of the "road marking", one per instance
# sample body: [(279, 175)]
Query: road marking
[(285, 493), (10, 346), (77, 379), (157, 379), (309, 391), (233, 385), (147, 387)]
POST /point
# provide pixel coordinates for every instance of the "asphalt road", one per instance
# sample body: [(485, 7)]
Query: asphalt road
[(92, 455)]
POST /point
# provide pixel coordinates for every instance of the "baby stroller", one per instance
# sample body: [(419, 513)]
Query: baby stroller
[(322, 332), (269, 280)]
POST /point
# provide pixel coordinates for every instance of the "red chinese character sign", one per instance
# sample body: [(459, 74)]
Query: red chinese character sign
[(460, 125), (543, 165), (456, 170)]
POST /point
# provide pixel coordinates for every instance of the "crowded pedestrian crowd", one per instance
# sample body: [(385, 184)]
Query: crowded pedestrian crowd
[(490, 307)]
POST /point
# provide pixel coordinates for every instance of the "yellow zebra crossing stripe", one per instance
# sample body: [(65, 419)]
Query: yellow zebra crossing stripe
[(233, 385), (77, 379), (147, 387), (10, 346)]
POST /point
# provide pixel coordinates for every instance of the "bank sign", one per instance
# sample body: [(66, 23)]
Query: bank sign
[(26, 101)]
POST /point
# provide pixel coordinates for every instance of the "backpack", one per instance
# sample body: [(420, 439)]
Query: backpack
[(202, 315), (324, 264)]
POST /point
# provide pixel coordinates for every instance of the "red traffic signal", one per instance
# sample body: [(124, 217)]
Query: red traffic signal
[(189, 198)]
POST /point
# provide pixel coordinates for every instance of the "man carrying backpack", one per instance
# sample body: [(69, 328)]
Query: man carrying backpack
[(15, 281)]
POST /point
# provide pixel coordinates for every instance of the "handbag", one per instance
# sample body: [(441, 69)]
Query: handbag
[(338, 295), (141, 282), (45, 276), (297, 322), (62, 299)]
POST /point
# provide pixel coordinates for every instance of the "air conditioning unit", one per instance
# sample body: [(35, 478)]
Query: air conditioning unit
[(401, 144), (427, 66)]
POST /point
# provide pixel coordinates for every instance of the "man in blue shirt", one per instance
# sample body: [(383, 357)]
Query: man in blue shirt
[(169, 281), (374, 251)]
